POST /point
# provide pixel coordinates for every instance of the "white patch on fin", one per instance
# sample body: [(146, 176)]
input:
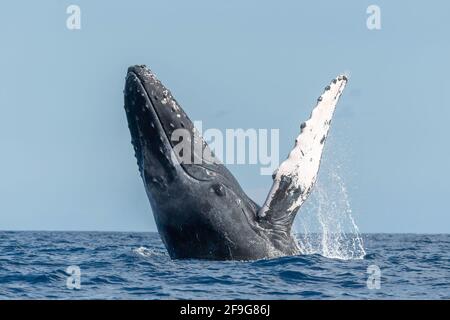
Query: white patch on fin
[(296, 176)]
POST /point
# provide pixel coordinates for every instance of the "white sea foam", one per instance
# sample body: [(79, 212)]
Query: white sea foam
[(146, 252)]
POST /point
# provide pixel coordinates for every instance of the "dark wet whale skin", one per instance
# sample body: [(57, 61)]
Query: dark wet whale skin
[(200, 209)]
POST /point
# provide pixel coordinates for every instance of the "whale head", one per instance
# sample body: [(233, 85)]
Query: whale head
[(199, 208)]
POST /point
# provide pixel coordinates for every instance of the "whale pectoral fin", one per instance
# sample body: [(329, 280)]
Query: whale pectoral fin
[(295, 177)]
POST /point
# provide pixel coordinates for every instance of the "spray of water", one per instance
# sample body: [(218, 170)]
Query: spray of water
[(325, 224)]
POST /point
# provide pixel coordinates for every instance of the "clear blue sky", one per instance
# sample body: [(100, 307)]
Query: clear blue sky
[(66, 160)]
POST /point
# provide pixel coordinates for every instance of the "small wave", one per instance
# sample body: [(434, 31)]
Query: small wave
[(106, 279), (289, 276), (147, 252), (207, 280), (30, 278), (371, 256), (299, 260)]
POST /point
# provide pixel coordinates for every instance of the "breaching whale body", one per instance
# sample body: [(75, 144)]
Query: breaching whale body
[(200, 210)]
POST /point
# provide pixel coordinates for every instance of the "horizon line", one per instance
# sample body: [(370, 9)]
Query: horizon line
[(156, 231)]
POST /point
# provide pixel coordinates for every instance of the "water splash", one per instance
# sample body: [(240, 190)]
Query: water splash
[(325, 224), (146, 252)]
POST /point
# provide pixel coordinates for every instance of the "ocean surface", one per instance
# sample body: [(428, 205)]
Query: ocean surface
[(113, 265)]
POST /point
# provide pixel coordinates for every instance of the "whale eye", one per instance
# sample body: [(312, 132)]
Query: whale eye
[(219, 189)]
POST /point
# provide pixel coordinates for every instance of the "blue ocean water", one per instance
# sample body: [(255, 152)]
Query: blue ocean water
[(136, 266)]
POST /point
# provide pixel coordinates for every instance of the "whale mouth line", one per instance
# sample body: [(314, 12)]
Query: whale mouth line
[(161, 131), (141, 139), (152, 106)]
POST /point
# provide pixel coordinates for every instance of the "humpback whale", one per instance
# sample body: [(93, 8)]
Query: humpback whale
[(200, 209)]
